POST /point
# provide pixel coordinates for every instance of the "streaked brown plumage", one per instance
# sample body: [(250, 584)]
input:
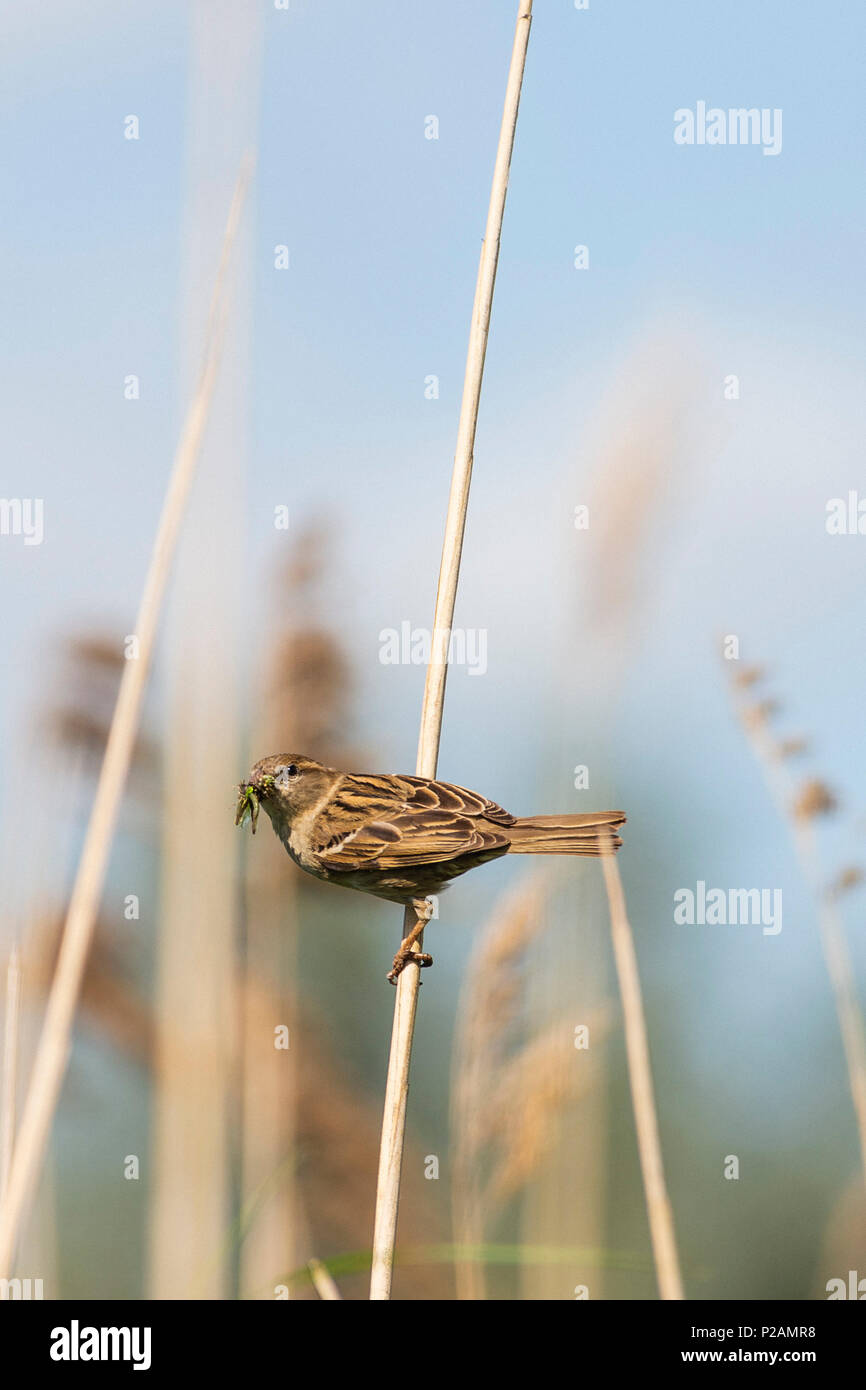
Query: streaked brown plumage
[(399, 837)]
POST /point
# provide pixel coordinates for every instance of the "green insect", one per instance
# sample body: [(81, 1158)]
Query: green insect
[(248, 802)]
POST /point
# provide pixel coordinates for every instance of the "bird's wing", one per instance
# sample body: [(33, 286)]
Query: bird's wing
[(382, 822), (452, 798)]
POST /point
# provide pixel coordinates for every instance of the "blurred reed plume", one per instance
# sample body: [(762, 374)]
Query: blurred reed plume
[(526, 1101), (304, 704), (802, 803), (113, 1004), (307, 684), (509, 1088), (637, 440), (89, 680), (634, 445)]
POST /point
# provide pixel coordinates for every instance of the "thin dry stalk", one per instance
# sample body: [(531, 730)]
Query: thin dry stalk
[(840, 970), (10, 1066), (55, 1040), (394, 1118), (661, 1219), (323, 1282)]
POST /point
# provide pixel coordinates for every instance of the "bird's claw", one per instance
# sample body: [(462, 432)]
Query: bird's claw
[(405, 956)]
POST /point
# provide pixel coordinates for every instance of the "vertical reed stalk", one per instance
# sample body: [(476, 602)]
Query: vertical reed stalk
[(10, 1066), (323, 1282), (841, 972), (55, 1039), (394, 1117), (661, 1220)]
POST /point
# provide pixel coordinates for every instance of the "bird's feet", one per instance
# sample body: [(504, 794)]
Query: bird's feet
[(407, 953), (405, 956)]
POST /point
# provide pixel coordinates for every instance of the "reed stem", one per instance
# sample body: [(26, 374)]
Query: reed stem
[(8, 1092), (397, 1086), (661, 1221)]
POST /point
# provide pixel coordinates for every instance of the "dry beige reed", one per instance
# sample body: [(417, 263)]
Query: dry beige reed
[(405, 1004), (508, 1090)]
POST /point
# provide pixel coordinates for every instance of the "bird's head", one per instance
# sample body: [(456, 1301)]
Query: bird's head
[(286, 784)]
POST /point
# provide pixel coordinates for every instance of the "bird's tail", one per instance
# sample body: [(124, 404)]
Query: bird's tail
[(592, 833)]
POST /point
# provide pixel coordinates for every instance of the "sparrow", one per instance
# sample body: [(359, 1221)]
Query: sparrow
[(402, 838)]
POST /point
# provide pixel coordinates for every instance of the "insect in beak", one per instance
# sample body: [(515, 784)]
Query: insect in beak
[(248, 805), (248, 801)]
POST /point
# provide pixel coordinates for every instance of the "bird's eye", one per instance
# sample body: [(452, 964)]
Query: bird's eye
[(292, 770)]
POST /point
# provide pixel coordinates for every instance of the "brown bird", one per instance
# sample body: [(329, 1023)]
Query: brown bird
[(399, 837)]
